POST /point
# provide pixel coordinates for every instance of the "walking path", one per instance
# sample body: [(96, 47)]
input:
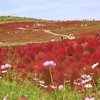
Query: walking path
[(48, 31), (70, 36)]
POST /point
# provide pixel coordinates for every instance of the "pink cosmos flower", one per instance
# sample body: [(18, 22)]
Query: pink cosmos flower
[(49, 63), (3, 67), (78, 81), (86, 78), (53, 87), (86, 98), (60, 87), (44, 86)]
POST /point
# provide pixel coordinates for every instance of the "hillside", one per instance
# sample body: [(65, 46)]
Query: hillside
[(6, 19), (18, 30)]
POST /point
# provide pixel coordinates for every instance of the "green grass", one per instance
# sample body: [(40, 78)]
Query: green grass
[(32, 92), (23, 88), (6, 19)]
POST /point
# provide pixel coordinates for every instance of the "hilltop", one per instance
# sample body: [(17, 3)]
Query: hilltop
[(6, 19)]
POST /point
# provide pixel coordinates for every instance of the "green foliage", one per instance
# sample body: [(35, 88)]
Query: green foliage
[(6, 19), (31, 91), (26, 90)]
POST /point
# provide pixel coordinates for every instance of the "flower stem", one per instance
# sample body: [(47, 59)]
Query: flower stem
[(51, 75)]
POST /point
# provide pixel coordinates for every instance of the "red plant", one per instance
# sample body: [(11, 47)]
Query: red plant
[(21, 66), (70, 50), (78, 49), (62, 51), (39, 57), (95, 57), (26, 59), (23, 99)]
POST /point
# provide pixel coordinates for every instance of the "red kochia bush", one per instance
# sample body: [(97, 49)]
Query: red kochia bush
[(58, 77), (62, 51), (39, 66), (98, 49), (21, 66), (1, 50), (95, 57), (69, 60), (49, 56), (60, 58), (78, 56), (85, 60), (81, 40), (36, 49), (90, 48), (78, 49), (72, 72), (1, 61), (70, 50), (92, 45), (31, 54), (15, 57), (31, 67), (26, 59), (47, 47), (39, 57)]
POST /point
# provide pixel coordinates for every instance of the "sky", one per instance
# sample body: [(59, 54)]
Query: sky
[(52, 9)]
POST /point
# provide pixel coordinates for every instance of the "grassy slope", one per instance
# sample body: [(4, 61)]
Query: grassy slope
[(6, 19), (9, 34)]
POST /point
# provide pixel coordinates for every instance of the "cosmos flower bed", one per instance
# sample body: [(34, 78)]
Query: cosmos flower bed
[(54, 64)]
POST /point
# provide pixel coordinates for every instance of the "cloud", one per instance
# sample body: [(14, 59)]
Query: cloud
[(31, 7)]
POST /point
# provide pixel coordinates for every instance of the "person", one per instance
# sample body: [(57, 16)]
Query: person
[(71, 36), (97, 34), (62, 38)]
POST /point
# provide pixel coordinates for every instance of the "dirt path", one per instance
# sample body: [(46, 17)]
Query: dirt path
[(20, 43), (48, 31)]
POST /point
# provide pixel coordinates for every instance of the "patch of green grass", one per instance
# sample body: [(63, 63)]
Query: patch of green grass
[(26, 90), (6, 19), (32, 91)]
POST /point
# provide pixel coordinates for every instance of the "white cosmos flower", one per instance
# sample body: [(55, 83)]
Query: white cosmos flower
[(94, 65), (88, 86), (4, 71), (41, 82)]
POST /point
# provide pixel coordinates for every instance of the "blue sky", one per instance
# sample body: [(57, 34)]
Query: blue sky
[(52, 9)]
